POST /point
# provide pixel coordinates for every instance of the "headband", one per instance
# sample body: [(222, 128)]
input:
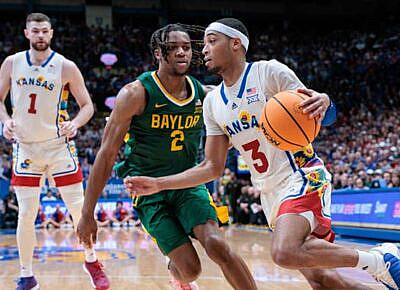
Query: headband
[(228, 31)]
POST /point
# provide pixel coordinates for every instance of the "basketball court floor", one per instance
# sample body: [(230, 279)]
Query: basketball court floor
[(133, 261)]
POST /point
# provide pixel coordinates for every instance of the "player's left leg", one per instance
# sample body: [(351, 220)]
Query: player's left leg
[(204, 226), (64, 172), (302, 208), (291, 248), (73, 198), (232, 265)]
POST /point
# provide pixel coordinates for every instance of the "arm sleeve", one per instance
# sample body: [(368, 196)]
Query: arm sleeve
[(330, 115), (212, 127), (277, 77)]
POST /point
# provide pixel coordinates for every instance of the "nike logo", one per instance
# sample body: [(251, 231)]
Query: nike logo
[(159, 105)]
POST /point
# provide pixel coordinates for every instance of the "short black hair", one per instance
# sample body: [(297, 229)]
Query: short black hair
[(234, 23), (119, 202)]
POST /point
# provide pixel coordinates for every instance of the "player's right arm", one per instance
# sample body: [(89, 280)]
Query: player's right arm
[(5, 84), (130, 101), (209, 169)]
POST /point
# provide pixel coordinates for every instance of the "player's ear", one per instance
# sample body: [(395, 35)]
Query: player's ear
[(236, 44), (157, 54), (51, 33), (26, 33)]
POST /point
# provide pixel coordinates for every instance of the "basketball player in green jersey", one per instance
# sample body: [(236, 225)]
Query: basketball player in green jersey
[(162, 111)]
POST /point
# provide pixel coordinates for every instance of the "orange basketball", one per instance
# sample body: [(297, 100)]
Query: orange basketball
[(284, 124)]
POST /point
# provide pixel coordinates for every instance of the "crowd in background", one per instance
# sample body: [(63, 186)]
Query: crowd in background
[(358, 69)]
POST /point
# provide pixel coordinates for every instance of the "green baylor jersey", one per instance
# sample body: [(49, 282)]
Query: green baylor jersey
[(165, 138)]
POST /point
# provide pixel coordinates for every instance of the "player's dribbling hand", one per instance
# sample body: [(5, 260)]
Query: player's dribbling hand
[(316, 105), (141, 185), (9, 129), (68, 129), (87, 230)]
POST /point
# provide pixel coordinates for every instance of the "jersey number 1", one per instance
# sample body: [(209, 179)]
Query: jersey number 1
[(262, 165), (32, 109)]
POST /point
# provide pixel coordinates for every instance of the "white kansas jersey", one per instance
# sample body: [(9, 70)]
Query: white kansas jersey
[(38, 98), (234, 111)]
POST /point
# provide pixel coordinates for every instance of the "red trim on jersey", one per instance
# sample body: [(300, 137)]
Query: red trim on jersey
[(31, 181), (69, 179), (309, 202)]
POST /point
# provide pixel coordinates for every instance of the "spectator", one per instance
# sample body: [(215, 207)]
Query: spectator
[(59, 217), (120, 215), (11, 211), (359, 184), (257, 216), (2, 212), (102, 217), (49, 196), (41, 219), (243, 210)]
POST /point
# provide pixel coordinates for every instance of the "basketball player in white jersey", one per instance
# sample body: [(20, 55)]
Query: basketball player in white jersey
[(37, 80), (295, 185)]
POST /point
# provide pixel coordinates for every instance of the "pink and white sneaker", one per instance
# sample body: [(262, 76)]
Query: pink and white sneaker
[(178, 285), (98, 277)]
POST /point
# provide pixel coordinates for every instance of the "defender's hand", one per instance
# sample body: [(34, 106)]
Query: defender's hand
[(141, 185), (87, 230)]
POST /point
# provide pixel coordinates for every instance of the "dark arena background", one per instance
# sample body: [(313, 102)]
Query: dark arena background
[(348, 49)]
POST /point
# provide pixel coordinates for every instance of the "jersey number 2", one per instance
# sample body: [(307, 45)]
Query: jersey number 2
[(32, 109), (178, 137), (262, 163)]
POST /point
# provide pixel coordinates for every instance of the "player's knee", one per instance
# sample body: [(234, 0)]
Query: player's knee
[(217, 249), (285, 256), (26, 216), (190, 271)]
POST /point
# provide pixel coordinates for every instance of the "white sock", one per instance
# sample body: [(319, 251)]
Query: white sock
[(26, 271), (367, 261), (90, 255)]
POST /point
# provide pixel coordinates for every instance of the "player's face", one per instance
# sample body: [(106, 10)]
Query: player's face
[(179, 53), (39, 34), (217, 52)]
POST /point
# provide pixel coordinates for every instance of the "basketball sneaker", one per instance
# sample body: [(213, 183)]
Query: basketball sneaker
[(98, 277), (27, 283), (388, 269), (179, 285)]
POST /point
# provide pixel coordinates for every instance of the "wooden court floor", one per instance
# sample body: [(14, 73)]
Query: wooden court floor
[(133, 261)]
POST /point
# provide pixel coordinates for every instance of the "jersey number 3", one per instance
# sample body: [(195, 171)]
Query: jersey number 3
[(262, 163), (32, 109)]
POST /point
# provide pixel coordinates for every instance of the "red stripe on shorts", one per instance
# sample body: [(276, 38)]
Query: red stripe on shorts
[(31, 181), (69, 179), (308, 202)]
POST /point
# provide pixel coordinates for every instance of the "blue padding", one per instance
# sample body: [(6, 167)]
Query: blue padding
[(377, 234)]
